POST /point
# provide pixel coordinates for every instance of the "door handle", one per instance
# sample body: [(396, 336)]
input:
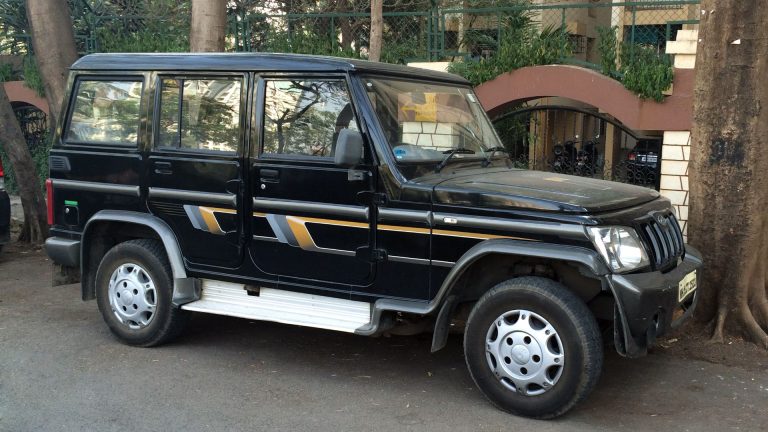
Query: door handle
[(269, 175), (163, 168)]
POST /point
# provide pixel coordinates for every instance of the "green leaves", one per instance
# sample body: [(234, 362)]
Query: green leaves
[(521, 44), (643, 69)]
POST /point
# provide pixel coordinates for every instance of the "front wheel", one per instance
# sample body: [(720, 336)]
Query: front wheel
[(134, 290), (533, 347)]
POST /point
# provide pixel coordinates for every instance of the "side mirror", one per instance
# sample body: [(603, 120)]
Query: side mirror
[(349, 148)]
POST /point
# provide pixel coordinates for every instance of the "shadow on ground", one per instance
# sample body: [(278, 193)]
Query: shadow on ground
[(61, 369)]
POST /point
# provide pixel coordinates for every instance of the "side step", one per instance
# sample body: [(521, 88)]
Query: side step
[(225, 298)]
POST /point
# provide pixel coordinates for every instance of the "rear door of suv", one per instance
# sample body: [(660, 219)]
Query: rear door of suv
[(98, 162), (195, 164)]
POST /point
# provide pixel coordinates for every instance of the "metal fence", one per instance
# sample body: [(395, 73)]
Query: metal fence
[(447, 33), (427, 31)]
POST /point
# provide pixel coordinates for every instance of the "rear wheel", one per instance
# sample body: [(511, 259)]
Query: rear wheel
[(533, 347), (134, 289)]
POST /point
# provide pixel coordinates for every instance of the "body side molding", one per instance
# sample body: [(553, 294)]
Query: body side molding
[(350, 211), (186, 195), (88, 186), (570, 231)]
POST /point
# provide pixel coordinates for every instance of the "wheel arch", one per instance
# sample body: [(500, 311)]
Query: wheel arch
[(110, 227), (508, 259)]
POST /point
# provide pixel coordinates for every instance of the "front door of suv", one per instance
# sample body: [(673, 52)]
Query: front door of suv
[(195, 165), (307, 222)]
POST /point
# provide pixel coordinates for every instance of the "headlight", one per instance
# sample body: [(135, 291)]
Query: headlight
[(620, 247)]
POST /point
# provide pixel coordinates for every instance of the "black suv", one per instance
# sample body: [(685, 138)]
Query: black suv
[(352, 196), (5, 211)]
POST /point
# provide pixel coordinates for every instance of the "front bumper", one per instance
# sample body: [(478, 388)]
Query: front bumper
[(647, 305), (5, 218)]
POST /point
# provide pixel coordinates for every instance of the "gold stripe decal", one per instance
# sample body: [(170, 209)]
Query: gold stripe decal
[(405, 229), (298, 227), (301, 233)]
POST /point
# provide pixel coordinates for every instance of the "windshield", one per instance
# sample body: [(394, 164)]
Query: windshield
[(425, 122)]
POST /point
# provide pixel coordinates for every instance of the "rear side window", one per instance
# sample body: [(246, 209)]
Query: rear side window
[(304, 117), (200, 114), (106, 112)]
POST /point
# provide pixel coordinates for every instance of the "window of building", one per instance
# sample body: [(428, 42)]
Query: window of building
[(304, 117), (106, 112), (655, 35), (200, 114)]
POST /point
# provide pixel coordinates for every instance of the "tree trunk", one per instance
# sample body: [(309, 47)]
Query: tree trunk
[(53, 41), (729, 162), (209, 25), (377, 30), (14, 145)]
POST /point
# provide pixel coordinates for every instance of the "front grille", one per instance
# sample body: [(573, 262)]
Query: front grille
[(664, 240)]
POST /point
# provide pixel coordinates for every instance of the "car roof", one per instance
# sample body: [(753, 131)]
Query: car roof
[(270, 62)]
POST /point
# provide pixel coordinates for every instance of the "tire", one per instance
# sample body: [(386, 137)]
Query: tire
[(134, 289), (533, 347)]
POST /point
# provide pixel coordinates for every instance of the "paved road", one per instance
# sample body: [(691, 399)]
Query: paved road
[(61, 370)]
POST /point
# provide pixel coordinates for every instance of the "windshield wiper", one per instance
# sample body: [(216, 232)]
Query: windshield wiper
[(450, 154), (490, 152)]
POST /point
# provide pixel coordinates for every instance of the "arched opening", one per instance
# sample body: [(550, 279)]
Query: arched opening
[(564, 136)]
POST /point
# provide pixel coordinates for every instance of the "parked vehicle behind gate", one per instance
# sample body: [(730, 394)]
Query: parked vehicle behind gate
[(358, 197)]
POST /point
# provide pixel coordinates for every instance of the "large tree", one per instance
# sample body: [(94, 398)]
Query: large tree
[(14, 145), (377, 30), (209, 25), (53, 41), (729, 168)]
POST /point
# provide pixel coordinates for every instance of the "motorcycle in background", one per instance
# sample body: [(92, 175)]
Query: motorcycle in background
[(570, 160)]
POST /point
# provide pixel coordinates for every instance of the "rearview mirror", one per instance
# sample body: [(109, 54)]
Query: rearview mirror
[(349, 148)]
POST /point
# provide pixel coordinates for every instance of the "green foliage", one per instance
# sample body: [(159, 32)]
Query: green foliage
[(645, 71), (402, 51), (40, 158), (520, 46), (6, 72), (642, 69), (306, 41), (144, 40), (144, 26), (607, 47), (32, 77)]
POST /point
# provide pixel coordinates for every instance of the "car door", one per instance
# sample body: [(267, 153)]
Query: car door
[(307, 224), (195, 165)]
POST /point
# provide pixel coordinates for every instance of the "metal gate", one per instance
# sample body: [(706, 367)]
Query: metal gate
[(578, 141)]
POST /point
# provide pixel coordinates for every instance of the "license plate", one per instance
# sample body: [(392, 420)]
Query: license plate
[(686, 286)]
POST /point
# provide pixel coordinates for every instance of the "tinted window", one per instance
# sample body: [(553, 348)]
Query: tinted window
[(304, 117), (200, 114), (106, 112)]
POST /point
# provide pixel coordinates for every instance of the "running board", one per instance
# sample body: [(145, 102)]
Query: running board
[(287, 307)]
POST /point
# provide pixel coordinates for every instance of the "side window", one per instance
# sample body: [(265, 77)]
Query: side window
[(200, 114), (105, 112), (304, 117)]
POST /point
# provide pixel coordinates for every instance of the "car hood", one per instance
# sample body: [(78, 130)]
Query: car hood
[(535, 190)]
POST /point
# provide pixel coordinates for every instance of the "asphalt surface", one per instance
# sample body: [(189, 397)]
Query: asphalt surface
[(61, 370)]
